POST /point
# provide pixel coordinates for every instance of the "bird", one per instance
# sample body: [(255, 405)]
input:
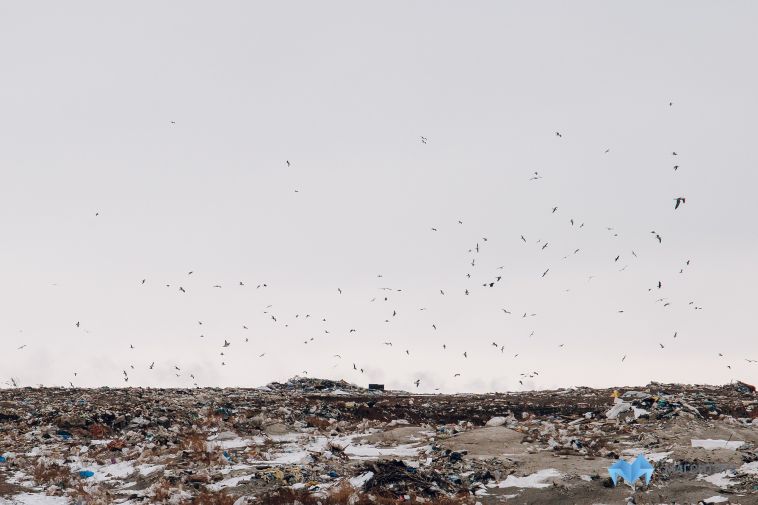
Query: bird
[(558, 134), (554, 209), (288, 162), (423, 140), (151, 365), (465, 355), (226, 344), (77, 324), (679, 200), (622, 359), (417, 382), (545, 272), (661, 345), (339, 290)]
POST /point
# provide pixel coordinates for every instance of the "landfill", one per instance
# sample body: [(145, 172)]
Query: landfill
[(316, 441)]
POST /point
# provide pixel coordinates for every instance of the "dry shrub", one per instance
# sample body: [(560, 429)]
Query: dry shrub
[(98, 431), (52, 474), (210, 498), (162, 491), (318, 422), (194, 442)]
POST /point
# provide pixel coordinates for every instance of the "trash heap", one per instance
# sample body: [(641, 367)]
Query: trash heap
[(312, 441)]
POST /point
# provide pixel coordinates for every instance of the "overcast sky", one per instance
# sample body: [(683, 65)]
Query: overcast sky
[(174, 122)]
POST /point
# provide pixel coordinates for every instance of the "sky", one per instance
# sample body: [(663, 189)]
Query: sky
[(144, 140)]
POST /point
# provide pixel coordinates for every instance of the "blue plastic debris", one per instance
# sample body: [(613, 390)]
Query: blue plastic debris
[(86, 474), (64, 434), (333, 474), (226, 455), (2, 459)]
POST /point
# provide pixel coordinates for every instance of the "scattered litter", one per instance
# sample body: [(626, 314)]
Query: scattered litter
[(317, 436)]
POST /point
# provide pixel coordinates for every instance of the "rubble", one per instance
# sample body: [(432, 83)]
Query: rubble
[(323, 441)]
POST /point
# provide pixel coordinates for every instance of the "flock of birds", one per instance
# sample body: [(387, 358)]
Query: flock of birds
[(474, 250)]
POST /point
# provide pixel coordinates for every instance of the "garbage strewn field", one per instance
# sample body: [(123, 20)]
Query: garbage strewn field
[(313, 441)]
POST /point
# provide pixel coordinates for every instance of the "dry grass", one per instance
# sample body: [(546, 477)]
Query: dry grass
[(162, 491), (194, 442), (53, 474), (318, 422), (98, 431), (209, 498)]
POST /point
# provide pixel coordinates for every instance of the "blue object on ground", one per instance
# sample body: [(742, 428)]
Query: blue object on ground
[(86, 474), (2, 459)]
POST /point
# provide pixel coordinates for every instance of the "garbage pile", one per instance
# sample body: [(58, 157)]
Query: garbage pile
[(312, 441)]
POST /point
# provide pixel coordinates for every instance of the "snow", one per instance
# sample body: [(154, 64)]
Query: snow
[(711, 444), (234, 443), (749, 468), (146, 470), (716, 499), (653, 457), (720, 479), (232, 482), (34, 499), (360, 480), (534, 480), (294, 453)]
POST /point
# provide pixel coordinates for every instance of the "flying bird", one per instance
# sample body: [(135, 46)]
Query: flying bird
[(679, 200)]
